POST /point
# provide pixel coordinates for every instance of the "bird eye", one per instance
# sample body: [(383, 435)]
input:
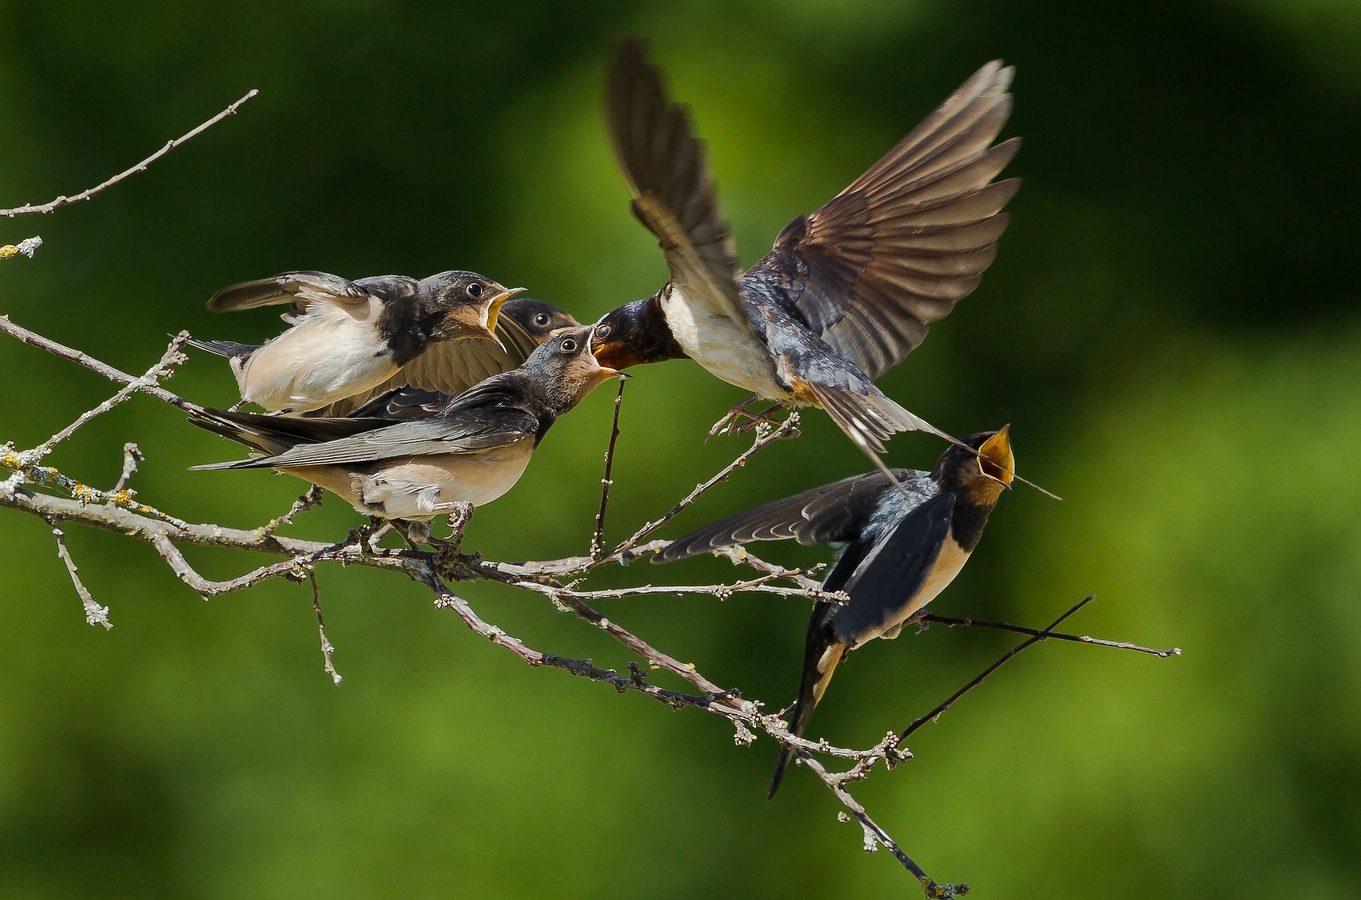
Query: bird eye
[(569, 345), (541, 319), (602, 331), (474, 290)]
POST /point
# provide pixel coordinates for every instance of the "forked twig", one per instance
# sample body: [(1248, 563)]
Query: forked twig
[(63, 200)]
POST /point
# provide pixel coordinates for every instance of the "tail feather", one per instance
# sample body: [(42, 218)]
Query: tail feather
[(229, 349), (822, 653)]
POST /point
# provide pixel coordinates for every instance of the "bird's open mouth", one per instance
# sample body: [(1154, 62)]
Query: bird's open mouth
[(996, 459), (494, 307)]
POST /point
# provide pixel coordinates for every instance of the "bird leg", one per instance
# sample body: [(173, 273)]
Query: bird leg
[(447, 562), (728, 424), (764, 417)]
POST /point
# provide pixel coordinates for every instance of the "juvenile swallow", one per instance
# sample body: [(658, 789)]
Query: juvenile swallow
[(524, 324), (899, 550), (349, 337), (470, 452), (848, 290)]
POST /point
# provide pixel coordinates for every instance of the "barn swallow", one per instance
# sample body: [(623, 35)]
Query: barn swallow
[(470, 452), (349, 337), (524, 324), (899, 549), (847, 291)]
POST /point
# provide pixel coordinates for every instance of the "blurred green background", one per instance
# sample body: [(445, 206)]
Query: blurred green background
[(1171, 327)]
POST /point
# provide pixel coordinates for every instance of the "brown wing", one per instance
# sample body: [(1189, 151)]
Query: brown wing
[(673, 195), (451, 367), (296, 288), (910, 237)]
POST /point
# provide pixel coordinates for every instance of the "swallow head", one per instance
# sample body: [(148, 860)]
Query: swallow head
[(982, 469), (464, 305), (566, 369), (538, 318), (634, 334)]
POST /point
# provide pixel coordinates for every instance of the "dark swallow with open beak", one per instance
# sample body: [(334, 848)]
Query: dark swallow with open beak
[(349, 337), (470, 453), (847, 292), (524, 324), (899, 550)]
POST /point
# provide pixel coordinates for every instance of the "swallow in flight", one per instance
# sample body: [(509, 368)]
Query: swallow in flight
[(350, 337), (469, 453), (899, 550), (848, 290)]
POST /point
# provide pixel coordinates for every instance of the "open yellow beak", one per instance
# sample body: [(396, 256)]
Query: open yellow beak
[(494, 311), (996, 459)]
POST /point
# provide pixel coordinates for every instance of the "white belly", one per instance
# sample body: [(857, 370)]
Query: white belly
[(948, 564), (327, 356), (721, 345), (410, 487)]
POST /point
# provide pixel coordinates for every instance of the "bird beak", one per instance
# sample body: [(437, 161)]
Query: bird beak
[(593, 349), (995, 458), (493, 312)]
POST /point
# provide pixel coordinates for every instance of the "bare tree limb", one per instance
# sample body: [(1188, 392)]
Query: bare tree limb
[(94, 613), (63, 200), (952, 621), (326, 648), (26, 247), (598, 539)]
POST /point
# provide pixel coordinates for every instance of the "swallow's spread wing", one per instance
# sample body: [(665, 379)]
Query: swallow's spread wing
[(301, 289), (402, 404), (909, 238), (832, 513), (673, 195), (890, 575)]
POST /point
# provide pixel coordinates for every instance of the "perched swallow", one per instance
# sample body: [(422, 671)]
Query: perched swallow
[(349, 337), (848, 290), (899, 549), (471, 452), (524, 324)]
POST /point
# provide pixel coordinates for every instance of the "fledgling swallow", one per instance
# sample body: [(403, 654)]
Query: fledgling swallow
[(847, 292), (470, 452), (899, 550), (524, 324), (349, 337)]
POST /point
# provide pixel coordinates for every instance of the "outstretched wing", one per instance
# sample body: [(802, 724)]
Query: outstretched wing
[(673, 195), (895, 250), (832, 513), (300, 289)]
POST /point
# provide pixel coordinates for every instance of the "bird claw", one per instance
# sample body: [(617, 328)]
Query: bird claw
[(729, 423)]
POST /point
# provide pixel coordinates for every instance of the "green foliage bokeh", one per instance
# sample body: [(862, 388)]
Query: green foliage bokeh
[(1171, 327)]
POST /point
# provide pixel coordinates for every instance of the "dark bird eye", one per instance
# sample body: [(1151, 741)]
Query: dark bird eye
[(474, 290), (602, 331), (541, 319), (569, 345)]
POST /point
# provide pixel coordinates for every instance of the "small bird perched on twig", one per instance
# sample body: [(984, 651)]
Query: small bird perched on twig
[(470, 453), (848, 290), (899, 551), (350, 337)]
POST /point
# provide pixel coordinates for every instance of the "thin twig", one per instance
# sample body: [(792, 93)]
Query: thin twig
[(874, 832), (164, 368), (951, 621), (26, 247), (132, 455), (765, 436), (61, 201), (598, 539), (945, 704), (94, 613), (94, 365), (310, 498), (326, 648)]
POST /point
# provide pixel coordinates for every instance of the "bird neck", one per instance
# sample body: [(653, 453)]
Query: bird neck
[(406, 327), (649, 336), (972, 508)]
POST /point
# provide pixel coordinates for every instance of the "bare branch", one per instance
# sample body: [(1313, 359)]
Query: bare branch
[(326, 648), (94, 613), (61, 201), (598, 539), (132, 455), (312, 497), (951, 621), (94, 365), (26, 247), (945, 704)]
